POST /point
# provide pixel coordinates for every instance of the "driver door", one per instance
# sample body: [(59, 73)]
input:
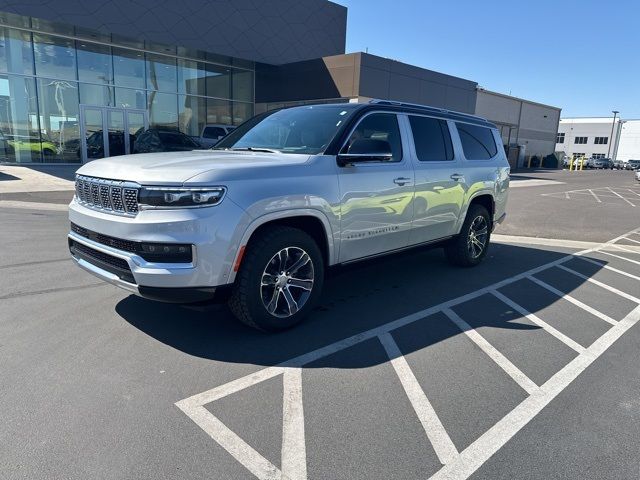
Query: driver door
[(376, 198)]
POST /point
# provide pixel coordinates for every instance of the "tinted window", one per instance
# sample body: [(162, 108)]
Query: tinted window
[(213, 132), (432, 139), (379, 126), (477, 142)]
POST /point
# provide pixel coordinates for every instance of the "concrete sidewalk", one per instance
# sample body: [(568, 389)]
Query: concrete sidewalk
[(36, 178)]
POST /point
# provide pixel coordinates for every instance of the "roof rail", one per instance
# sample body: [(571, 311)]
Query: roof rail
[(425, 107)]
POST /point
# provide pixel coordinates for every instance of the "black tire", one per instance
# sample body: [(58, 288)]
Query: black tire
[(246, 301), (459, 251)]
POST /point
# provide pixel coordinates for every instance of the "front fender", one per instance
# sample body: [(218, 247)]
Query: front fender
[(245, 232)]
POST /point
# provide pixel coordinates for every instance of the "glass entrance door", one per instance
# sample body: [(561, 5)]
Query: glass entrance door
[(109, 132)]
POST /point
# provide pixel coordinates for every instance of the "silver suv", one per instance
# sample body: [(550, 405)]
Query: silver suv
[(258, 219)]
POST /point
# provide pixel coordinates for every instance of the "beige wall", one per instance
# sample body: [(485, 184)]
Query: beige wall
[(532, 124)]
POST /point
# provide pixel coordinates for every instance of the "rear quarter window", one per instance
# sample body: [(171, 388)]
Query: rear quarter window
[(431, 138), (478, 142)]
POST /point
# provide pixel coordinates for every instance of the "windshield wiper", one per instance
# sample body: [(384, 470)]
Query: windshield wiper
[(255, 149)]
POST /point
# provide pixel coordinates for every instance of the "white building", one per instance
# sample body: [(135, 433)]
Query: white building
[(595, 137), (629, 144)]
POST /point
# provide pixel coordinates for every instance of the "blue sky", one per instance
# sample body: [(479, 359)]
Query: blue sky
[(582, 56)]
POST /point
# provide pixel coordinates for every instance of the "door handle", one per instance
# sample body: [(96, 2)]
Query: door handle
[(401, 181), (457, 177)]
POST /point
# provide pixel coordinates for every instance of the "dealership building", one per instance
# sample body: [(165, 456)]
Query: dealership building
[(599, 137), (70, 71)]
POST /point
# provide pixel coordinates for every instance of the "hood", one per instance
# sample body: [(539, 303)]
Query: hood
[(171, 168)]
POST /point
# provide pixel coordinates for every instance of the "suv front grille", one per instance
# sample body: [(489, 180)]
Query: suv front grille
[(111, 196)]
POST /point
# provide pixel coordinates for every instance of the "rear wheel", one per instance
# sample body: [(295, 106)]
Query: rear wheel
[(469, 248), (280, 279)]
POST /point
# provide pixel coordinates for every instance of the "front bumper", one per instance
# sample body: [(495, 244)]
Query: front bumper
[(210, 231)]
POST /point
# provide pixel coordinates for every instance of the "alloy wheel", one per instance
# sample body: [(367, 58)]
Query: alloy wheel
[(287, 282), (478, 233)]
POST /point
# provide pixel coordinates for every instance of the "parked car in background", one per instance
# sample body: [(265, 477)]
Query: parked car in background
[(213, 133), (286, 195), (33, 145), (95, 144), (619, 165), (154, 140), (598, 163), (633, 164), (638, 175)]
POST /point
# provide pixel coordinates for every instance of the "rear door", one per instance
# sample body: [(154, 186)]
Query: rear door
[(376, 204), (440, 190)]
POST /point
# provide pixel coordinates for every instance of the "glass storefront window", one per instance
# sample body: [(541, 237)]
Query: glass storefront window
[(94, 63), (96, 95), (243, 85), (59, 119), (242, 112), (128, 68), (19, 132), (161, 73), (218, 111), (55, 57), (130, 98), (16, 55), (191, 77), (163, 110), (192, 114), (218, 81)]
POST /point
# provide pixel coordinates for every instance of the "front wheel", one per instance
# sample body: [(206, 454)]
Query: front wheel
[(280, 279), (470, 246)]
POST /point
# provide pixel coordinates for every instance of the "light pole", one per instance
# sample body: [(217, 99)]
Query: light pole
[(615, 112)]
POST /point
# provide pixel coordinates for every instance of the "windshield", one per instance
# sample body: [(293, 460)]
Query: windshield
[(307, 130)]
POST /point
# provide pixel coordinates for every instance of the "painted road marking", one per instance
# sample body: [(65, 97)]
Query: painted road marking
[(503, 362), (533, 182), (600, 284), (595, 196), (476, 454), (618, 195), (435, 431), (612, 269), (456, 466), (538, 321), (619, 256), (575, 301), (632, 240)]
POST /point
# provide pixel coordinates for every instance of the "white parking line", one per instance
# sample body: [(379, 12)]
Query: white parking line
[(438, 436), (600, 284), (503, 362), (635, 193), (458, 466), (625, 249), (612, 269), (541, 323), (294, 453), (575, 301), (632, 240), (595, 196), (623, 198), (619, 256), (476, 454)]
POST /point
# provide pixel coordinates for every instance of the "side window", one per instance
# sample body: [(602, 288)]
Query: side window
[(477, 142), (431, 138), (379, 126), (213, 132)]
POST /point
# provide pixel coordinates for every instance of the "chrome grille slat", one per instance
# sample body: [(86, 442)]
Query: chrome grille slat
[(112, 196)]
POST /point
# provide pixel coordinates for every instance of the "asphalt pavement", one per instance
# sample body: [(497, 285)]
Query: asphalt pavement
[(524, 367)]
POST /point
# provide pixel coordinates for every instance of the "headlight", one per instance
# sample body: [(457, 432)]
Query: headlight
[(177, 197)]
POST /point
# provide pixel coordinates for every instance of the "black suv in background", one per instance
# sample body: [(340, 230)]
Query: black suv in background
[(155, 140)]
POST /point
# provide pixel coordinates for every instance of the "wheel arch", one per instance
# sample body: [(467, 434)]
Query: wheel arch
[(482, 197), (312, 222)]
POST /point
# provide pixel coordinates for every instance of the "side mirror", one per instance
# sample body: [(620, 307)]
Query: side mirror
[(366, 150)]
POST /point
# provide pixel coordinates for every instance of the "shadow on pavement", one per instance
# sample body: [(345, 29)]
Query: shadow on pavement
[(356, 299), (6, 176)]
